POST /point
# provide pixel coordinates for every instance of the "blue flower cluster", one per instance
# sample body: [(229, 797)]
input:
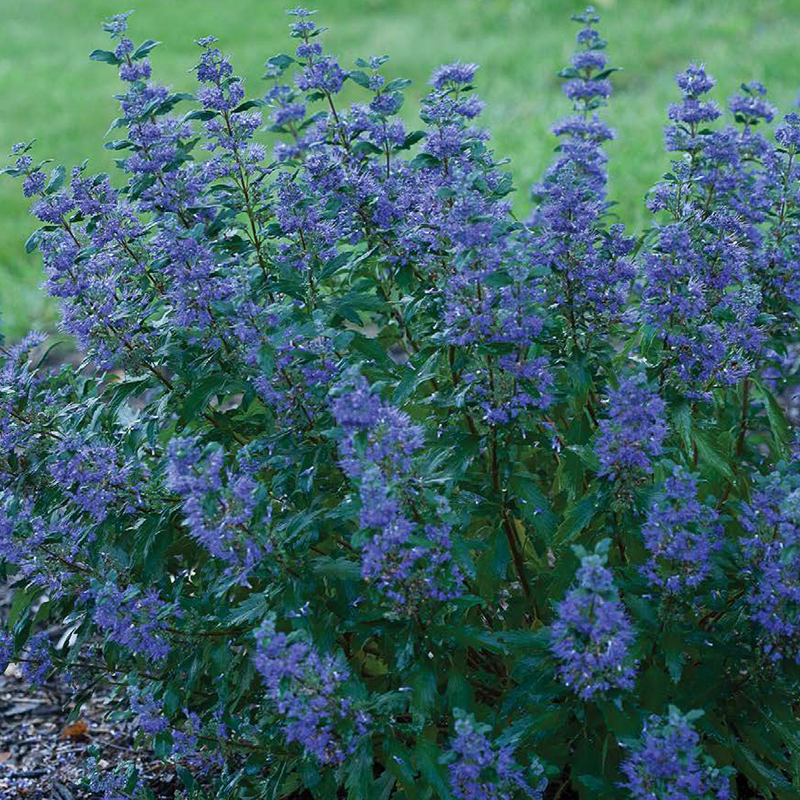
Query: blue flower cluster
[(590, 262), (479, 770), (668, 763), (131, 620), (633, 432), (310, 497), (219, 506), (306, 688), (771, 548), (592, 635), (36, 661), (6, 650), (409, 560), (681, 534)]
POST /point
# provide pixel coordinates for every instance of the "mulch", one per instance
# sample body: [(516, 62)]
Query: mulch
[(44, 755)]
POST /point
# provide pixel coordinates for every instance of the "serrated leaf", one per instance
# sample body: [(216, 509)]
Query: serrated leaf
[(682, 420), (710, 454), (199, 396), (359, 781), (534, 507), (413, 378), (579, 515), (424, 693), (426, 758), (779, 425), (341, 568)]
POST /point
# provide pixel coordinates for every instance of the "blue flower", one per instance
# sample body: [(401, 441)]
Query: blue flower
[(668, 763), (681, 534), (633, 432), (480, 770), (592, 635)]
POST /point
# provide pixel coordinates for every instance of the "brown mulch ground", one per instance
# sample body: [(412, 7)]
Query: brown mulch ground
[(42, 757)]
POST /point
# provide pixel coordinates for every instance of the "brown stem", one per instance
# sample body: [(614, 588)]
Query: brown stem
[(743, 422)]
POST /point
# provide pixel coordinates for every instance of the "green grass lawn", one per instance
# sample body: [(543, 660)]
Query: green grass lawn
[(51, 91)]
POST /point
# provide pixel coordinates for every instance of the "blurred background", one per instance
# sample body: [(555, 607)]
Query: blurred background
[(49, 90)]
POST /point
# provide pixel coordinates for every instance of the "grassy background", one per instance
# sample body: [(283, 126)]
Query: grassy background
[(50, 90)]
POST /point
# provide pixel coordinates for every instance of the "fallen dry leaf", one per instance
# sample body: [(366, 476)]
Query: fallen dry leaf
[(77, 730)]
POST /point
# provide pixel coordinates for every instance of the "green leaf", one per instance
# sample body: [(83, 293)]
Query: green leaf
[(710, 454), (280, 63), (119, 144), (578, 516), (411, 139), (682, 420), (605, 73), (56, 181), (621, 721), (21, 603), (470, 636), (398, 84), (371, 348), (247, 105), (533, 505), (426, 757), (200, 113), (423, 161), (360, 77), (760, 773), (674, 647), (341, 568), (118, 393), (398, 762), (105, 56), (366, 148), (186, 778), (359, 781), (459, 689), (413, 378), (32, 242), (143, 49), (198, 398), (424, 692), (779, 425), (47, 352), (252, 610)]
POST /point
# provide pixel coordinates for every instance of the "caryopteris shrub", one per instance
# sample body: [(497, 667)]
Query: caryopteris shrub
[(369, 489)]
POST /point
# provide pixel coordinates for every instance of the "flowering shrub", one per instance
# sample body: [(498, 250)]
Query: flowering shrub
[(369, 489)]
